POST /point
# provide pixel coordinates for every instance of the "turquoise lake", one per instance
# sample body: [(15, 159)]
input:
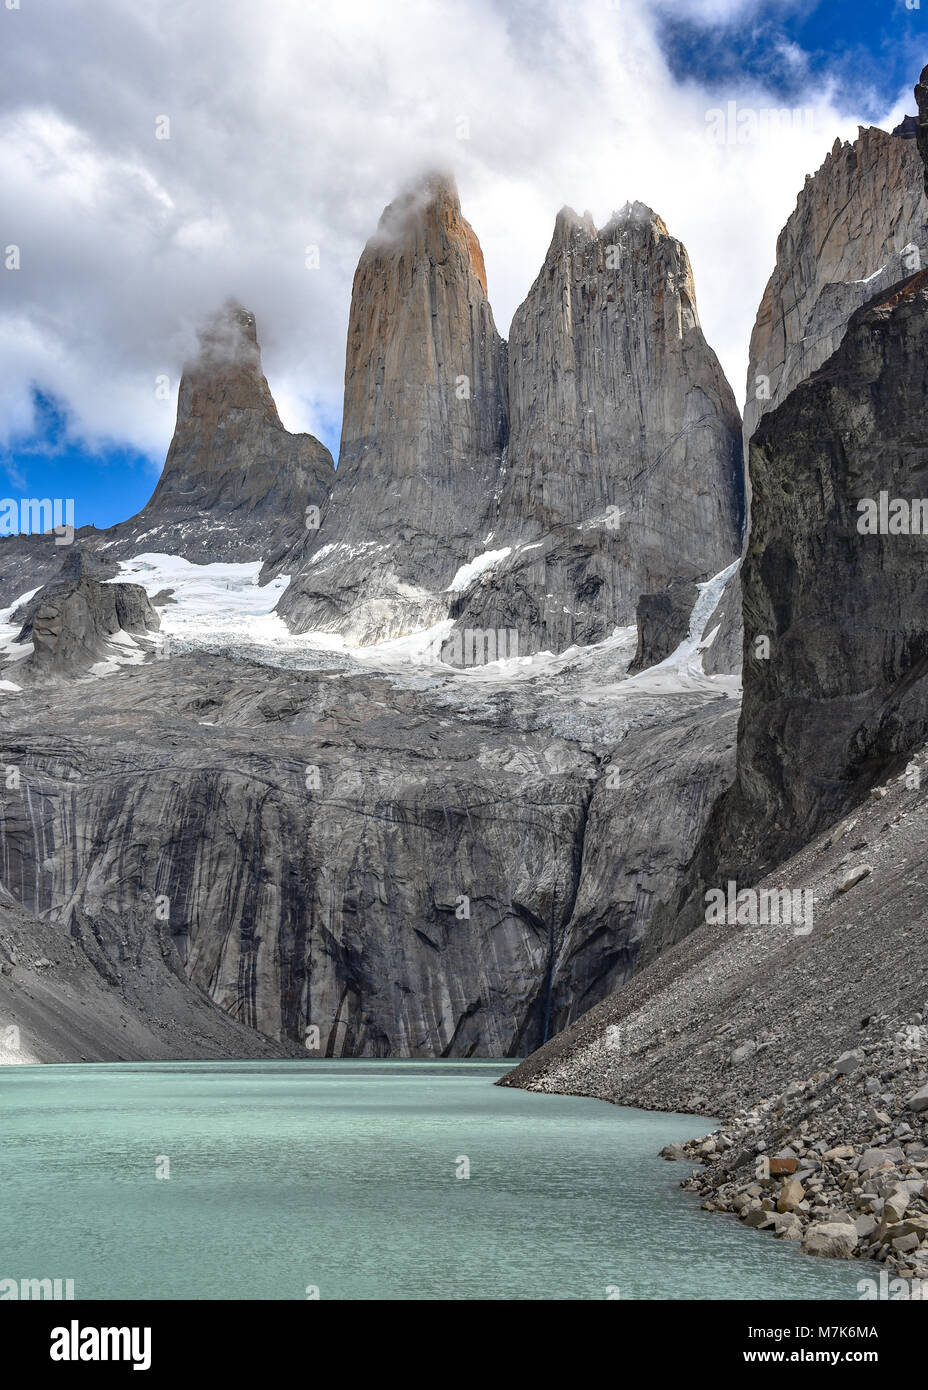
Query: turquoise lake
[(341, 1176)]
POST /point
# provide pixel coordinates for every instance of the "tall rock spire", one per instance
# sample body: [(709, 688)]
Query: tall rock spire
[(423, 431), (624, 465), (235, 484)]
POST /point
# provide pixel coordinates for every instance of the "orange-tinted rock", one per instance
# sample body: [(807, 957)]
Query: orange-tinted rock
[(423, 431)]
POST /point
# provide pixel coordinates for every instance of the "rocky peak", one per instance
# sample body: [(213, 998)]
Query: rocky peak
[(426, 220), (78, 621), (236, 485), (423, 428), (859, 226), (226, 374), (624, 464)]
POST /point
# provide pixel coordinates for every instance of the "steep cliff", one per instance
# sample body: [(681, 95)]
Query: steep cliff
[(827, 797), (860, 225), (624, 464), (834, 597), (411, 862), (423, 430), (921, 96), (236, 485)]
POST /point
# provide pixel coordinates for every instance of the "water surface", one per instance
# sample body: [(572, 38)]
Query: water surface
[(342, 1176)]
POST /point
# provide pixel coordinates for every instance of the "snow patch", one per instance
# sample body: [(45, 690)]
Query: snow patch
[(479, 565), (682, 671)]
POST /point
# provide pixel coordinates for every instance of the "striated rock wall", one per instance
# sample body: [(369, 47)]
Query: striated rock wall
[(623, 472), (410, 869), (424, 428), (860, 224)]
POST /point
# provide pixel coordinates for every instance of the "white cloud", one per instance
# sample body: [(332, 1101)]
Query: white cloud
[(291, 124)]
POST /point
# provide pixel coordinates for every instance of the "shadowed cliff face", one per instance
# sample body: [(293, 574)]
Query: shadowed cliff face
[(921, 96), (836, 648), (235, 484), (860, 225), (424, 427)]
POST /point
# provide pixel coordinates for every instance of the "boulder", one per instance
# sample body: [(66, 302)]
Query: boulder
[(791, 1194), (835, 1239)]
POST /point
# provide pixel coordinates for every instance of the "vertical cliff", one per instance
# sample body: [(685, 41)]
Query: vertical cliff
[(624, 463), (423, 431), (835, 591), (859, 225), (235, 484), (921, 96)]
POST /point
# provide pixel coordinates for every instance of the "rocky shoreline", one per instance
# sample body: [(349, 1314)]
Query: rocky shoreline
[(838, 1161)]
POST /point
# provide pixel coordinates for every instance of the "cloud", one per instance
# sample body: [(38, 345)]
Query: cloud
[(158, 157)]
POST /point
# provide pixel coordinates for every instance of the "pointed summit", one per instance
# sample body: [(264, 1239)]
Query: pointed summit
[(235, 484), (423, 428), (624, 463)]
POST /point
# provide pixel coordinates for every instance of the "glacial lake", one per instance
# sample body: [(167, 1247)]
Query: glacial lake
[(341, 1176)]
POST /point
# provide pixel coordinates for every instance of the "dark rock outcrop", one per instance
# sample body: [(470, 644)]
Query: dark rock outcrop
[(921, 96), (423, 431), (663, 622), (72, 623)]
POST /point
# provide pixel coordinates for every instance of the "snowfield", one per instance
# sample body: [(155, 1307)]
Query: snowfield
[(222, 608)]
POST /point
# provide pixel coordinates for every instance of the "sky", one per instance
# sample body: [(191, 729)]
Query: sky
[(159, 156)]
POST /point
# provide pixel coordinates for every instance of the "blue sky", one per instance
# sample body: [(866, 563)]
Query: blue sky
[(868, 49), (294, 124)]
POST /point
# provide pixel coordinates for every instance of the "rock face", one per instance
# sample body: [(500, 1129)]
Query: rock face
[(624, 471), (423, 431), (835, 701), (412, 867), (921, 96), (72, 624), (827, 709), (236, 485), (859, 226), (663, 621), (736, 1012), (71, 996)]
